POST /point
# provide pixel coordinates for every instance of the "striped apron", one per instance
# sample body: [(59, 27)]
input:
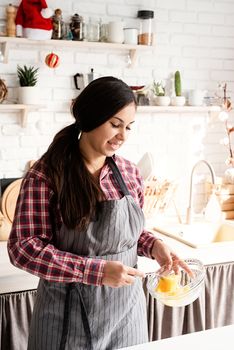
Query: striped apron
[(69, 316)]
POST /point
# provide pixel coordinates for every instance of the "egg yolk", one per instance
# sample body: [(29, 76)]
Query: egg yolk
[(170, 284)]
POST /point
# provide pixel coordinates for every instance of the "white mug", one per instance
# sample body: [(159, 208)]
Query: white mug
[(115, 32), (130, 36)]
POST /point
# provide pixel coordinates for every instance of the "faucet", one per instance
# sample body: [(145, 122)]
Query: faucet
[(189, 209)]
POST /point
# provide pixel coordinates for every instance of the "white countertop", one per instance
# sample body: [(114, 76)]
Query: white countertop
[(13, 279), (212, 339)]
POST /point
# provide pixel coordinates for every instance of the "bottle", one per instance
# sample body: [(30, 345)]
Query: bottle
[(145, 36)]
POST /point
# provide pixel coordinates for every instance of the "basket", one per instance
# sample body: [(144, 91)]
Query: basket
[(158, 194)]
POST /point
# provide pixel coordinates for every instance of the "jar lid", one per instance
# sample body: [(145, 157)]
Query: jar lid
[(76, 17), (145, 14)]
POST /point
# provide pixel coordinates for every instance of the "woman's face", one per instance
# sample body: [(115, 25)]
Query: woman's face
[(106, 139)]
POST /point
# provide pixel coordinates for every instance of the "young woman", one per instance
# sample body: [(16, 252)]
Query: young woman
[(79, 226)]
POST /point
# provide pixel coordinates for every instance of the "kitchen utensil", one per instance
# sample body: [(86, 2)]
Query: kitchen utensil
[(189, 287), (79, 80)]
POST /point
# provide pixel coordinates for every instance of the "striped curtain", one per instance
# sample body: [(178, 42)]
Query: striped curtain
[(15, 315), (214, 308)]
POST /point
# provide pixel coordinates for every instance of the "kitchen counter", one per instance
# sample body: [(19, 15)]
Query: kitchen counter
[(13, 279), (212, 339)]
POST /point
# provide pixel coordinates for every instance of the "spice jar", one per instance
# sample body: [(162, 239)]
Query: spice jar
[(145, 36), (76, 27)]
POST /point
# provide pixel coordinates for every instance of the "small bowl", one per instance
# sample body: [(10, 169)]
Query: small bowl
[(190, 286)]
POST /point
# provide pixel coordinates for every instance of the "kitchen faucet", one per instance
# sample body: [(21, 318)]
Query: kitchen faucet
[(189, 209)]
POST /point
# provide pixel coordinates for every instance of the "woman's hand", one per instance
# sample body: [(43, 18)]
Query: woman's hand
[(167, 259), (116, 274)]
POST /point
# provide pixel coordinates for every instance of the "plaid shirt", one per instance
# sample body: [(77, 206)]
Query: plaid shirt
[(30, 245)]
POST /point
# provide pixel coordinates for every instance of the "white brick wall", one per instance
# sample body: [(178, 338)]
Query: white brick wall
[(196, 37)]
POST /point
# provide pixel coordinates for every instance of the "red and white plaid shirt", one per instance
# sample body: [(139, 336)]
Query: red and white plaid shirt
[(30, 245)]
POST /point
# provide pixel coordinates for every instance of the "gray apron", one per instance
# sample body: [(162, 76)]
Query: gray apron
[(69, 316)]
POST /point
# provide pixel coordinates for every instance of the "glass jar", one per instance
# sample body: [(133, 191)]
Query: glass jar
[(76, 27), (58, 25), (93, 30), (145, 36)]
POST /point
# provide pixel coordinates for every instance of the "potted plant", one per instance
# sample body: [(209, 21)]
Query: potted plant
[(160, 93), (178, 99), (28, 92)]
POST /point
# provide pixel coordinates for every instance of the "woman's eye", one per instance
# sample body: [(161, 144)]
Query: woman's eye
[(119, 126), (115, 126)]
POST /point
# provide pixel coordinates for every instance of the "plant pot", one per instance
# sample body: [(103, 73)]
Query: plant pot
[(178, 101), (28, 95), (162, 100), (196, 97)]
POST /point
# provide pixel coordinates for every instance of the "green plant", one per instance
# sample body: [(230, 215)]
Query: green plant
[(28, 76), (178, 89), (158, 89)]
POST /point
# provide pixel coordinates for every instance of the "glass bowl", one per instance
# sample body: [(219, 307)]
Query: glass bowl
[(189, 287)]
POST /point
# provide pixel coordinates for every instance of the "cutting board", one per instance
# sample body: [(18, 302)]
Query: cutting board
[(9, 199)]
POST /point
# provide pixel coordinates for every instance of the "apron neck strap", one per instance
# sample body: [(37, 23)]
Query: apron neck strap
[(117, 176)]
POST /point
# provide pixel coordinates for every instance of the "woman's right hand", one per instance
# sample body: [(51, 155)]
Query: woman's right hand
[(116, 274)]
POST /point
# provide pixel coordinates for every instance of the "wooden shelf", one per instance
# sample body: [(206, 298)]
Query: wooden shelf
[(6, 42), (182, 109), (24, 109)]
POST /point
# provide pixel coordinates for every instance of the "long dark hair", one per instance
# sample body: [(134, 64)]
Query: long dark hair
[(75, 187)]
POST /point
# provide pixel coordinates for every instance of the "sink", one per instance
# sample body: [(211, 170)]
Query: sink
[(199, 234)]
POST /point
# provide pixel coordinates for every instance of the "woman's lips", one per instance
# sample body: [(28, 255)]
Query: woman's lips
[(114, 145)]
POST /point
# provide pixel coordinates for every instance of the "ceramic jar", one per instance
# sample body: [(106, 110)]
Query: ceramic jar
[(115, 32)]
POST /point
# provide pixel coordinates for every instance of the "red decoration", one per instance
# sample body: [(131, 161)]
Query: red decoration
[(52, 60)]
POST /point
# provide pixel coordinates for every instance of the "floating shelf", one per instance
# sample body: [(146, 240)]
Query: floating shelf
[(6, 42), (182, 109), (24, 109)]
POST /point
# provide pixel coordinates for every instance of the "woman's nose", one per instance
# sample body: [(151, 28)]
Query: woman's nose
[(122, 135)]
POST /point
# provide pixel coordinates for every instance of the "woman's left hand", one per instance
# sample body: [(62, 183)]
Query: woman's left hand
[(167, 259)]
